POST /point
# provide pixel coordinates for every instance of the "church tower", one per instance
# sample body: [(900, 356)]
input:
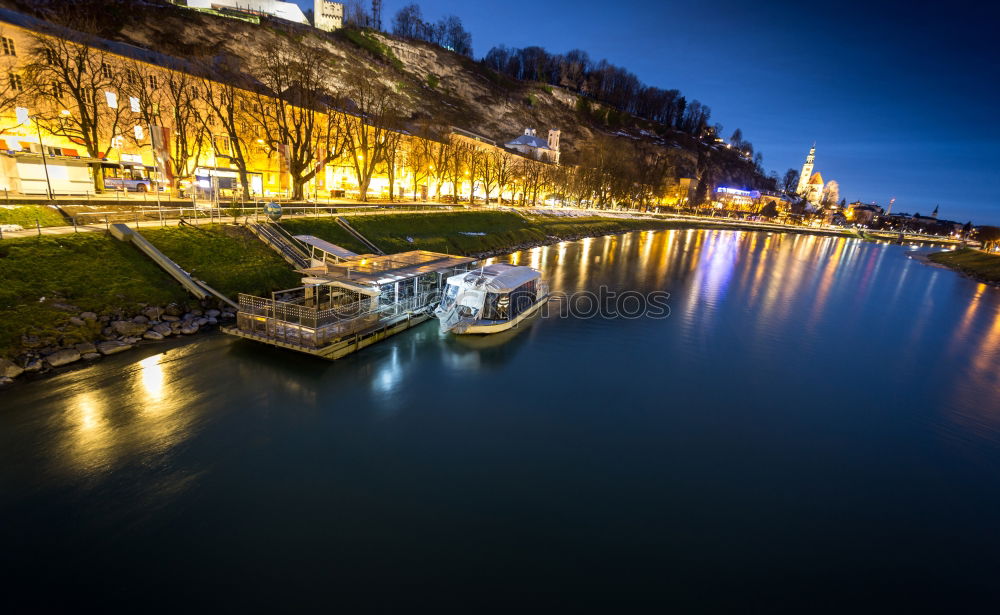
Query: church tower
[(807, 171)]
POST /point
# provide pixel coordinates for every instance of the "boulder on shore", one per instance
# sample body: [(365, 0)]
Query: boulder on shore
[(9, 369), (33, 365), (153, 313), (85, 347), (128, 329), (113, 347), (88, 316), (152, 335), (163, 329), (90, 356), (63, 357), (189, 328)]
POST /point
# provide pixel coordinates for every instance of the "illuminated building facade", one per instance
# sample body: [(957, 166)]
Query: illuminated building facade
[(810, 184), (126, 154), (288, 11), (328, 16)]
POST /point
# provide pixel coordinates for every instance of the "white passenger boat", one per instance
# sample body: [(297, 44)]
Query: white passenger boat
[(490, 299)]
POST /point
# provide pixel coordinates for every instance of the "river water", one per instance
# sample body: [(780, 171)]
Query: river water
[(815, 426)]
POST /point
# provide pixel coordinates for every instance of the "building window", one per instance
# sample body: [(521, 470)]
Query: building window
[(152, 82), (7, 46), (221, 145), (112, 99), (56, 89), (117, 142), (139, 133), (133, 103), (16, 84), (106, 71)]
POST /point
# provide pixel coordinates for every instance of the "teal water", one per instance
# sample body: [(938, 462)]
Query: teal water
[(815, 427)]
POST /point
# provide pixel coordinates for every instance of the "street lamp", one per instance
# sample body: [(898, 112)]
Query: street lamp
[(45, 164)]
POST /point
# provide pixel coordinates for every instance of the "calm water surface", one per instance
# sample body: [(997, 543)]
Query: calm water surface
[(816, 426)]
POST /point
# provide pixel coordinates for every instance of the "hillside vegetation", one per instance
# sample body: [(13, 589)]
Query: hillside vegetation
[(432, 83)]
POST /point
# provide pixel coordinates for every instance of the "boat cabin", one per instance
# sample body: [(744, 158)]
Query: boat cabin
[(491, 295)]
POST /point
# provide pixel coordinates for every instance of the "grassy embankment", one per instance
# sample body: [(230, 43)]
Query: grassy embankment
[(457, 232), (975, 263), (94, 272), (27, 215)]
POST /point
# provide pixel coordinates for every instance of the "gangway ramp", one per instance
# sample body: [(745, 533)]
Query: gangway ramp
[(196, 287), (281, 241), (364, 240)]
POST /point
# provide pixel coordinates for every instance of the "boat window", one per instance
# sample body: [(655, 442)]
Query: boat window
[(450, 292), (491, 309), (522, 298)]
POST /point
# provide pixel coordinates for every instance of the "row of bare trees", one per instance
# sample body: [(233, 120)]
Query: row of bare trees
[(282, 105)]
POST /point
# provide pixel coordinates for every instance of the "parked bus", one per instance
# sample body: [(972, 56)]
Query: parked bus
[(130, 177)]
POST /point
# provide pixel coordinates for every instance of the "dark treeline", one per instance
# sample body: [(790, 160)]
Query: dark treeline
[(448, 32), (603, 82)]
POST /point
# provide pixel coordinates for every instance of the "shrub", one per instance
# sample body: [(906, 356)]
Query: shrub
[(373, 46)]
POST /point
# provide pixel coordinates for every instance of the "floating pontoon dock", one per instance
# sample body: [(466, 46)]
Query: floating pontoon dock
[(347, 301)]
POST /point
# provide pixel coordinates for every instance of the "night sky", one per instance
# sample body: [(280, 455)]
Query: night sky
[(900, 97)]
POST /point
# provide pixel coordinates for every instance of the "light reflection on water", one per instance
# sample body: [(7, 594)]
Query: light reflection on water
[(858, 384)]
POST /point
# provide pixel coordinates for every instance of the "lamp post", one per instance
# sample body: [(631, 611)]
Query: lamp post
[(45, 165)]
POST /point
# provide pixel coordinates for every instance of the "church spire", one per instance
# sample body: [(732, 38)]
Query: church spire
[(807, 171)]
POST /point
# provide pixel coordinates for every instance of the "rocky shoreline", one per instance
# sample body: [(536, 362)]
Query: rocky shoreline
[(117, 334)]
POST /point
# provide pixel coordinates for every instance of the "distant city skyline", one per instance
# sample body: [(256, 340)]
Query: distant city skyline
[(898, 97)]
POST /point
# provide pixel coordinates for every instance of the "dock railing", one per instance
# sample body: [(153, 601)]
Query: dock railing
[(292, 322)]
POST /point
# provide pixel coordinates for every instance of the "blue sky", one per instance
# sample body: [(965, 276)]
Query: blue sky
[(900, 97)]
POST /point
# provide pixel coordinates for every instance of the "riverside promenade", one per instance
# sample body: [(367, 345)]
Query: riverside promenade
[(150, 217)]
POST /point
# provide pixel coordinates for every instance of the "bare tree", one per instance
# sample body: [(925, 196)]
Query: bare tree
[(75, 90), (392, 155), (418, 155), (366, 129), (228, 110), (475, 159), (293, 108), (533, 175), (487, 173), (790, 182), (169, 99), (831, 194)]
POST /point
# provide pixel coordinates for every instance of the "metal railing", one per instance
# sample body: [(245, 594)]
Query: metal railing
[(293, 323)]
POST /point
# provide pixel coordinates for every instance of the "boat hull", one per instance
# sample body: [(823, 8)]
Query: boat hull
[(484, 329)]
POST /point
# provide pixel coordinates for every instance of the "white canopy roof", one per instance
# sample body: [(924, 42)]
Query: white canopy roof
[(499, 278), (326, 246)]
